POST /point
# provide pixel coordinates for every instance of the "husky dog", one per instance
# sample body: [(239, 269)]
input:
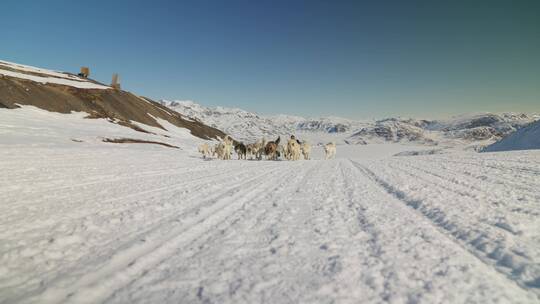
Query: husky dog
[(294, 149), (223, 150), (204, 149), (251, 150), (219, 150), (330, 150), (228, 147), (282, 149), (215, 150), (241, 150), (271, 149), (305, 147), (258, 148)]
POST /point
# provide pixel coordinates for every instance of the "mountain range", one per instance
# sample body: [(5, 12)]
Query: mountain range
[(471, 131)]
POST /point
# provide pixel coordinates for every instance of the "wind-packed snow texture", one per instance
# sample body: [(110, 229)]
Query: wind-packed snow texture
[(90, 222)]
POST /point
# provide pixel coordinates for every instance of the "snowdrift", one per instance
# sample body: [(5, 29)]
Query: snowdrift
[(526, 138)]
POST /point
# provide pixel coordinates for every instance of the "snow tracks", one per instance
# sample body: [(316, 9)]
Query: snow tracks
[(119, 226), (487, 204)]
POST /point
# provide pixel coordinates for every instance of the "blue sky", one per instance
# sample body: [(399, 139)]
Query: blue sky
[(348, 58)]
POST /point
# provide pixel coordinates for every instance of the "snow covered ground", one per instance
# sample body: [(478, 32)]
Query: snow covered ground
[(90, 222)]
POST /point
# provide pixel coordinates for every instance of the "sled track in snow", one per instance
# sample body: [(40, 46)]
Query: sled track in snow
[(450, 230), (462, 179), (136, 258), (171, 173), (138, 230), (257, 208)]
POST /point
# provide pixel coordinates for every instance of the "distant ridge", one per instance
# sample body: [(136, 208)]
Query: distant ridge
[(471, 131)]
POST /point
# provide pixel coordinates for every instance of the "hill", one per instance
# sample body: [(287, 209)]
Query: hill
[(65, 93), (526, 138)]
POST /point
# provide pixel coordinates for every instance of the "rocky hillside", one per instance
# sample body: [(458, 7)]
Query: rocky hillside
[(391, 130), (482, 126), (65, 92), (242, 125), (473, 131)]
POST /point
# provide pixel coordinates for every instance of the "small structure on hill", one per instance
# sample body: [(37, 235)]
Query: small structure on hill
[(115, 83), (85, 72)]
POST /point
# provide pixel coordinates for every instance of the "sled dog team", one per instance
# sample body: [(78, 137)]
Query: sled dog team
[(272, 150)]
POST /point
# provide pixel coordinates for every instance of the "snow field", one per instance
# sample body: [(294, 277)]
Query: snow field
[(102, 223)]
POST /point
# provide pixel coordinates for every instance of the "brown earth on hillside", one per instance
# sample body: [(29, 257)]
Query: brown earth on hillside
[(118, 106), (136, 141), (74, 77)]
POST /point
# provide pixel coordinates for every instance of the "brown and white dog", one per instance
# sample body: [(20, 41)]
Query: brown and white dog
[(219, 150), (271, 149), (257, 149), (330, 150), (216, 150), (251, 150)]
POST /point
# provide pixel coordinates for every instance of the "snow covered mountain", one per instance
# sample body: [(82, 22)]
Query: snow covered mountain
[(474, 131), (523, 139), (241, 124)]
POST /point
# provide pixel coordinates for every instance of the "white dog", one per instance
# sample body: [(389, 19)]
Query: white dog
[(224, 149), (283, 151), (258, 148), (204, 149), (227, 147), (215, 150), (294, 149), (306, 150), (330, 150)]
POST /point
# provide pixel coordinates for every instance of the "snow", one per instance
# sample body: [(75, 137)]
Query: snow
[(92, 222), (523, 139), (53, 77), (35, 127), (27, 68), (62, 81), (499, 121)]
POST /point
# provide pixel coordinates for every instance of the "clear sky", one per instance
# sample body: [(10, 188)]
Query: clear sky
[(356, 59)]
